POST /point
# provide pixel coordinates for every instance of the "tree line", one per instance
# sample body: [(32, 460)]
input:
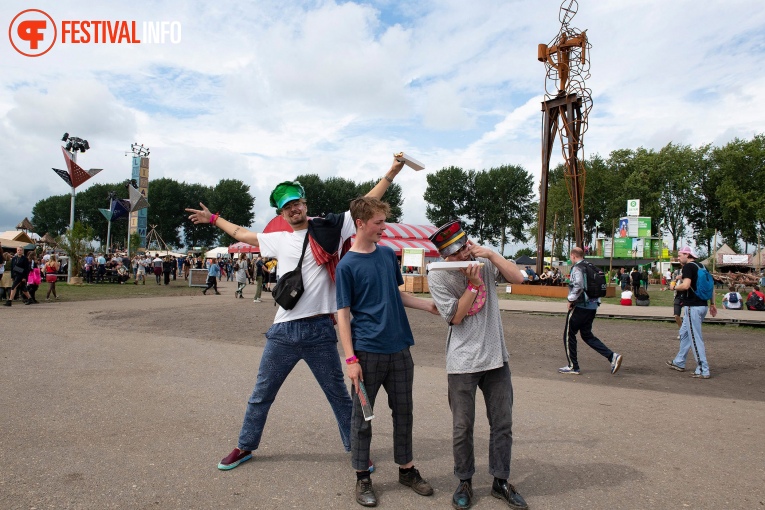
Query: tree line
[(689, 192), (169, 198)]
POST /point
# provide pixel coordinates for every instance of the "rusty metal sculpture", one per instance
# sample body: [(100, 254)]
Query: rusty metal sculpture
[(565, 110)]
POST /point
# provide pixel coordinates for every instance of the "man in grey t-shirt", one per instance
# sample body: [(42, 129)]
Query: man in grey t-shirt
[(476, 357)]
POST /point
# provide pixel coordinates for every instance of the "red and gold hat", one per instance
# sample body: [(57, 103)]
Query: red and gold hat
[(449, 238)]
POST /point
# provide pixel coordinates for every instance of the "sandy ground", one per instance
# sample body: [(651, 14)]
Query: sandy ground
[(131, 403)]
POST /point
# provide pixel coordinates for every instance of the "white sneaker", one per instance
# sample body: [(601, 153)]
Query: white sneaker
[(256, 301), (616, 363), (568, 370)]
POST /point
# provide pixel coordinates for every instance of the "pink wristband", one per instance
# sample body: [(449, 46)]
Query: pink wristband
[(351, 360), (214, 218)]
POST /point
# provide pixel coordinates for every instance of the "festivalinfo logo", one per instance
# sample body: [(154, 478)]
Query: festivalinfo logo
[(33, 32)]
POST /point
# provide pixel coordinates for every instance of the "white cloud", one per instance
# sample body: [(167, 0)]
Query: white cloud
[(265, 90)]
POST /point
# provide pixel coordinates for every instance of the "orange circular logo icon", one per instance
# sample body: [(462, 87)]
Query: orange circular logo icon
[(32, 32)]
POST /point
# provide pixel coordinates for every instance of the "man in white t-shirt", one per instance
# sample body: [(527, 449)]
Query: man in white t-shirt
[(732, 300), (306, 331)]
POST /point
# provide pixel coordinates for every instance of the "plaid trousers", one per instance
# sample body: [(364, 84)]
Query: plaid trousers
[(395, 373)]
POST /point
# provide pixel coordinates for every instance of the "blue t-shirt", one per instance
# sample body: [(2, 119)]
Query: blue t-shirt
[(368, 284)]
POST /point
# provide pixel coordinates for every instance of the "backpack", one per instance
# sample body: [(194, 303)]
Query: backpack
[(594, 281), (755, 302), (705, 285), (733, 298)]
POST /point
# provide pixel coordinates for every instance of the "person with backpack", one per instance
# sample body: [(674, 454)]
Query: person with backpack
[(695, 291), (583, 301), (755, 301), (732, 300), (635, 280)]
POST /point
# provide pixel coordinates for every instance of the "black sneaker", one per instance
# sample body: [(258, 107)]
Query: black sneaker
[(463, 496), (365, 494), (8, 303), (500, 489), (413, 479)]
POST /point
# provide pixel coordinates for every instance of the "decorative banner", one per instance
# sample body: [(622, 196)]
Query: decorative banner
[(75, 175), (736, 259), (107, 214), (137, 201), (633, 207), (64, 175), (120, 208)]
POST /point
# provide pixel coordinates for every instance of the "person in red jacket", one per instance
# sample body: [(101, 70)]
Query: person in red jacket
[(755, 300)]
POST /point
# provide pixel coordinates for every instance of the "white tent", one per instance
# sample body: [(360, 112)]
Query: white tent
[(219, 252)]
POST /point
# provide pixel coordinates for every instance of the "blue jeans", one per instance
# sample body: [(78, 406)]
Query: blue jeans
[(690, 337), (313, 340)]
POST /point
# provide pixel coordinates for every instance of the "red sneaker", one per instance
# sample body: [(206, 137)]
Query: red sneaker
[(234, 458)]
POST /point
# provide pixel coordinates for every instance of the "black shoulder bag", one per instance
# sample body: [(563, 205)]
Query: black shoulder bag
[(289, 288)]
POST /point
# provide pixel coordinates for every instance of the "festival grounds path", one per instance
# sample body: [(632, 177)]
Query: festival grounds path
[(131, 403)]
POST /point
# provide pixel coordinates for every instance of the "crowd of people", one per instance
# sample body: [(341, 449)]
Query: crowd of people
[(22, 275)]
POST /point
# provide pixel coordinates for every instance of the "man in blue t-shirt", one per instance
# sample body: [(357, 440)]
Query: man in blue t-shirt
[(376, 343)]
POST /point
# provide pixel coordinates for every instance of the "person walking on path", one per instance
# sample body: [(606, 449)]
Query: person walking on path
[(20, 268), (51, 276), (581, 314), (157, 266), (167, 268), (306, 331), (695, 311), (213, 273), (376, 344), (258, 279), (476, 357), (240, 272)]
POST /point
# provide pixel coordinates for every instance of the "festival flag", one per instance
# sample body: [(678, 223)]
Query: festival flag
[(64, 175), (137, 200), (76, 173)]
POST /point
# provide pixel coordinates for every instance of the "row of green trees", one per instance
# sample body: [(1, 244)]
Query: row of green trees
[(688, 191), (495, 206), (168, 199)]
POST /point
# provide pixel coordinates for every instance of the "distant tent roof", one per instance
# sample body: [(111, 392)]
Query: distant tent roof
[(221, 251), (9, 244), (16, 235), (241, 247), (48, 239), (25, 225), (726, 250), (525, 260)]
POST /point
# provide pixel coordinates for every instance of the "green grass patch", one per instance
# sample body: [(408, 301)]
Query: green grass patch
[(99, 291)]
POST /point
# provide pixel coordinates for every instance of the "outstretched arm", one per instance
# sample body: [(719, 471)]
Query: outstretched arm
[(426, 305), (379, 190), (204, 216)]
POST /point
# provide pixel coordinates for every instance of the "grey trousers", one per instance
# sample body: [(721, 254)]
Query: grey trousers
[(497, 390)]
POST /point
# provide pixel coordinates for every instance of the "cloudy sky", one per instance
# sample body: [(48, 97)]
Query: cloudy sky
[(265, 90)]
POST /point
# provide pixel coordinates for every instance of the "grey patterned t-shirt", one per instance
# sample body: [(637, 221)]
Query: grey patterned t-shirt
[(478, 343)]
